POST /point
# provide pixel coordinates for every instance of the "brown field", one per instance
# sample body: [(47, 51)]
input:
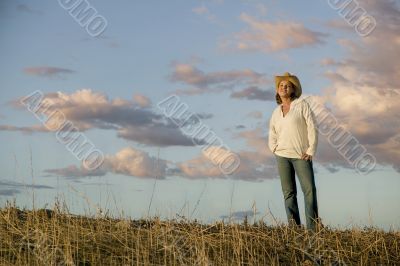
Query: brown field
[(55, 237)]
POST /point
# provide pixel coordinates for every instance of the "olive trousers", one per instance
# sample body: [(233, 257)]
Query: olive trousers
[(287, 168)]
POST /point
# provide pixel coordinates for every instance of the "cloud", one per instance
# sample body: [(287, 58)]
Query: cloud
[(87, 109), (256, 164), (254, 93), (28, 9), (138, 163), (205, 115), (47, 72), (203, 166), (157, 135), (365, 85), (240, 215), (108, 41), (201, 82), (200, 10), (205, 12), (333, 76), (254, 139), (28, 130), (255, 114), (142, 100), (74, 172), (267, 37), (11, 188), (9, 192), (127, 161), (329, 62), (340, 24), (262, 9)]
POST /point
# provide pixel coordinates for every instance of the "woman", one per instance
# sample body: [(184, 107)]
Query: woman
[(293, 139)]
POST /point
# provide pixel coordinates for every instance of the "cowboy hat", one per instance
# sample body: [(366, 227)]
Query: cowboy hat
[(292, 78)]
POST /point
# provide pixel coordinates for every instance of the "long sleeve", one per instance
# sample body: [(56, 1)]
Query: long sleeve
[(312, 132), (272, 135)]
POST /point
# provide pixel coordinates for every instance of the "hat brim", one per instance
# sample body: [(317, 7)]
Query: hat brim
[(293, 79)]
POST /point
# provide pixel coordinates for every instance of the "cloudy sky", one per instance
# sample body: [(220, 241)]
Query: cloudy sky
[(105, 73)]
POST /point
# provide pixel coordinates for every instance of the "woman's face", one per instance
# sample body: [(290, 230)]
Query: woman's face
[(285, 89)]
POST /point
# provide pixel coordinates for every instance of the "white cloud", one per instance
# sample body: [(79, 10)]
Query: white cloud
[(202, 82), (142, 100), (128, 161), (47, 71), (133, 162), (87, 109), (366, 85), (265, 36)]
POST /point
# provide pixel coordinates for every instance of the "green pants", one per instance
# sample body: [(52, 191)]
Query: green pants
[(287, 167)]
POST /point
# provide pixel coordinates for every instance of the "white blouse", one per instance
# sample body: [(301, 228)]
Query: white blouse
[(295, 133)]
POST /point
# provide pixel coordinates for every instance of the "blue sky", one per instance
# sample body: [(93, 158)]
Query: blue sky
[(219, 58)]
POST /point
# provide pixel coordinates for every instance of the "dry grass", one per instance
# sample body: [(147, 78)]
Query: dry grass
[(55, 237)]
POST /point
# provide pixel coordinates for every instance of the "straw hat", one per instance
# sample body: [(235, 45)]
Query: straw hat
[(292, 78)]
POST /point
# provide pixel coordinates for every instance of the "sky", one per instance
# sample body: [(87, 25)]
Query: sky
[(116, 73)]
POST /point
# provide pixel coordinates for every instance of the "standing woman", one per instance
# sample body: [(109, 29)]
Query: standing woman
[(293, 139)]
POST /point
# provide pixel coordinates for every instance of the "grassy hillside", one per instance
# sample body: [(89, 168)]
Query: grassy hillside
[(52, 237)]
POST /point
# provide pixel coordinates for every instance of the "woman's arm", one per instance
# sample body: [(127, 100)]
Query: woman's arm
[(272, 135), (312, 131)]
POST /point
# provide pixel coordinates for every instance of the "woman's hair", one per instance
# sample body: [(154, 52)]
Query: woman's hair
[(292, 96)]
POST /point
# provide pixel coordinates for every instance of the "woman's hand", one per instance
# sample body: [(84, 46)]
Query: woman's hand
[(307, 157)]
